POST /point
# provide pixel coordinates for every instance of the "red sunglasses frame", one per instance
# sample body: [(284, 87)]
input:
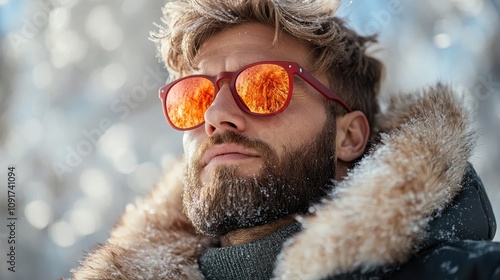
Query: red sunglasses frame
[(292, 69)]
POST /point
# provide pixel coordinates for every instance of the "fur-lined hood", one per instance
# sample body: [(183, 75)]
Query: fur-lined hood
[(377, 216)]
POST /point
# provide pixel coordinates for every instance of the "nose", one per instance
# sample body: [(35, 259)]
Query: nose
[(224, 113)]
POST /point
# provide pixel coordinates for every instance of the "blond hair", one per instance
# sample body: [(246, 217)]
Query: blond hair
[(338, 51)]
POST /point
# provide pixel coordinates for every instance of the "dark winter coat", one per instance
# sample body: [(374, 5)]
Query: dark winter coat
[(453, 248), (412, 208), (457, 244)]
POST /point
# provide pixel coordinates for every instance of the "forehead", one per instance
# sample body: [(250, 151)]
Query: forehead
[(235, 47)]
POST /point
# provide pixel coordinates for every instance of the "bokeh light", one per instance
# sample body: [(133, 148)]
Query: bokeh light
[(85, 218), (62, 234), (96, 185), (38, 213), (113, 76)]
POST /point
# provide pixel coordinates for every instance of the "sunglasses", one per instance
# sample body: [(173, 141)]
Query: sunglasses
[(259, 89)]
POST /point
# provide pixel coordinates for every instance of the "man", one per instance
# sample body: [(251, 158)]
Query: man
[(290, 172)]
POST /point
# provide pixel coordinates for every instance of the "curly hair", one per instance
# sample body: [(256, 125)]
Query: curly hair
[(338, 51)]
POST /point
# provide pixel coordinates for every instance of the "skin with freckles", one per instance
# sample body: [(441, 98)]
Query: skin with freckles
[(246, 176)]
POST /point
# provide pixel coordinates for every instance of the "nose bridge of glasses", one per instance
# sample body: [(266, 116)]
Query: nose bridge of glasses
[(222, 77)]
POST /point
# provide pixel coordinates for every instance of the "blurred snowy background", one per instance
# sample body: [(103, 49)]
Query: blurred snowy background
[(81, 121)]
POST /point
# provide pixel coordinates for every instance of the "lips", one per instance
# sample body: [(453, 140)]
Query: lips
[(227, 152)]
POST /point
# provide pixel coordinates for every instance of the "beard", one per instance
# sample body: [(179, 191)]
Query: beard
[(290, 185)]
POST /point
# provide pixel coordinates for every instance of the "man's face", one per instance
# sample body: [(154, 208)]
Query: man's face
[(242, 170)]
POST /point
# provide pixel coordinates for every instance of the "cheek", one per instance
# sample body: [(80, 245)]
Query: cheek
[(270, 129), (291, 130)]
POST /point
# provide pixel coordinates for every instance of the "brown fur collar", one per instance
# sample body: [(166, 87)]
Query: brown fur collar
[(375, 217)]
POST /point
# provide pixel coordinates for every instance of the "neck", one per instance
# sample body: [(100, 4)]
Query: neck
[(245, 235)]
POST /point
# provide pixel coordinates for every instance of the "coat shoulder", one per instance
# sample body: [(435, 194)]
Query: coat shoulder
[(465, 259), (153, 240)]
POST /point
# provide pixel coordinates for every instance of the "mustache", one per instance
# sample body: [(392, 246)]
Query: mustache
[(232, 137)]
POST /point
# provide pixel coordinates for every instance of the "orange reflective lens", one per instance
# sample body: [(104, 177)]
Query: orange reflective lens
[(263, 88), (188, 100)]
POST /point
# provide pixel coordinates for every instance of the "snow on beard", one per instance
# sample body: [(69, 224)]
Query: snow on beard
[(283, 187)]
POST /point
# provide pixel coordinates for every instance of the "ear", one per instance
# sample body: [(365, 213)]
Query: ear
[(352, 135)]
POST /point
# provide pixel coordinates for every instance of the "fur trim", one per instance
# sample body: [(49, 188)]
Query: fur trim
[(378, 214), (154, 240)]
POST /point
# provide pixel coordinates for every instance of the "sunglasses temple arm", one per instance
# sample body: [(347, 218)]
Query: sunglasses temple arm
[(317, 85)]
